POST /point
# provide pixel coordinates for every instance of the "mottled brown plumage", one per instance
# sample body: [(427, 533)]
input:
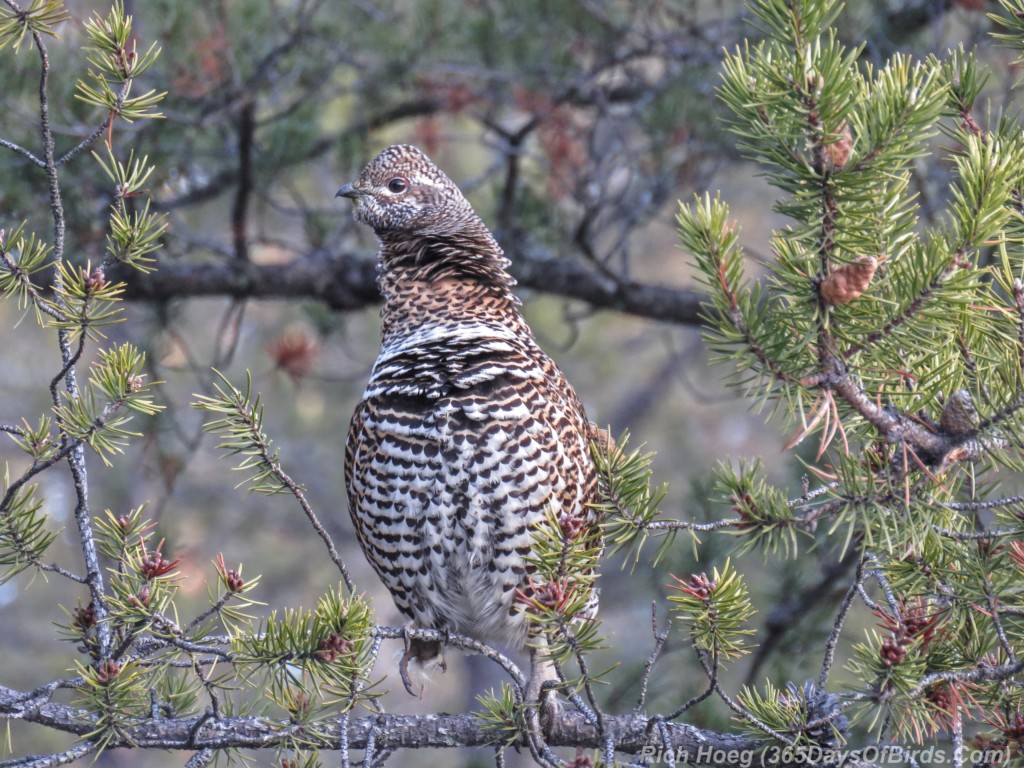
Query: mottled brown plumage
[(467, 432)]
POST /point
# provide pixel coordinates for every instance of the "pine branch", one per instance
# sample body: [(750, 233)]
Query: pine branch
[(80, 750), (837, 626), (241, 425), (629, 733), (17, 148), (660, 638), (76, 456)]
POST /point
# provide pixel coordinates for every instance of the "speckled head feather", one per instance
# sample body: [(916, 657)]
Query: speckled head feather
[(401, 192), (426, 227)]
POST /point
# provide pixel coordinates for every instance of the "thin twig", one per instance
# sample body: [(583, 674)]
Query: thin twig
[(19, 706), (23, 152), (735, 706), (883, 582), (957, 737), (300, 496), (712, 673), (269, 459), (979, 506), (371, 745), (1004, 641), (660, 638), (867, 598), (8, 498), (214, 608), (51, 761), (69, 364), (787, 615), (76, 458), (151, 645), (667, 752), (211, 689), (343, 738), (202, 720), (574, 698), (981, 674), (974, 535), (588, 683), (837, 625), (89, 140)]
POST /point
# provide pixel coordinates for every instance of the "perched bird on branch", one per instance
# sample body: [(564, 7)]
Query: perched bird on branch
[(467, 437)]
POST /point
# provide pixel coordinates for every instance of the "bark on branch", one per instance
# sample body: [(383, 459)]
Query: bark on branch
[(630, 733), (349, 283)]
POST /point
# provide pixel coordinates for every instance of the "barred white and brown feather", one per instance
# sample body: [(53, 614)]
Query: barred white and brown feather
[(467, 432)]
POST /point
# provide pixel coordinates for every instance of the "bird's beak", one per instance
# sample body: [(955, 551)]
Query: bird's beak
[(349, 191)]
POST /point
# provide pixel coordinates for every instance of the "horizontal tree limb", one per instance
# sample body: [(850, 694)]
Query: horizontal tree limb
[(348, 283), (629, 733)]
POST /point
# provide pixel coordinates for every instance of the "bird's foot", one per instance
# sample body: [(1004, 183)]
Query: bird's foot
[(411, 653), (403, 671), (424, 655), (441, 662)]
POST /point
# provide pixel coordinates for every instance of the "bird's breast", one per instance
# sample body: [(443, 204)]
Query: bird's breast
[(461, 447)]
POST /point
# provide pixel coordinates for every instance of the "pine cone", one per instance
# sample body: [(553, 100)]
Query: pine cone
[(848, 281), (838, 151), (959, 416), (821, 705)]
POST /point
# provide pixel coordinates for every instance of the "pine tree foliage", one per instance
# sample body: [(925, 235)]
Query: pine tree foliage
[(810, 715), (630, 504), (502, 716), (241, 427), (134, 235), (888, 340), (25, 536), (116, 389), (115, 65), (564, 564), (40, 17), (893, 343), (311, 662), (22, 255), (716, 611)]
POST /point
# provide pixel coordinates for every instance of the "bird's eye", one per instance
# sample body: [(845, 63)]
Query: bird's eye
[(398, 185)]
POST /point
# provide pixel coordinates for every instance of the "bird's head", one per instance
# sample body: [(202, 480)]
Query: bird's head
[(402, 194)]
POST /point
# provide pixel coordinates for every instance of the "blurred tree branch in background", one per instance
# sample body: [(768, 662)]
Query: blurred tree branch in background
[(349, 283)]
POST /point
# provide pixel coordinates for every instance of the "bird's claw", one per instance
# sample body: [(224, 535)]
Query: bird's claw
[(403, 663), (403, 671)]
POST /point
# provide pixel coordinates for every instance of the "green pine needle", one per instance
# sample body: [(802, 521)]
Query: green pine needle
[(716, 611), (240, 425), (502, 716)]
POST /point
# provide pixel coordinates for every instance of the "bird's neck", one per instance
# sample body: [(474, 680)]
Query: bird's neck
[(471, 253), (441, 278)]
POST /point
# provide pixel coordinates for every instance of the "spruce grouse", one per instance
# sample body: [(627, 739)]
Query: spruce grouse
[(467, 433)]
